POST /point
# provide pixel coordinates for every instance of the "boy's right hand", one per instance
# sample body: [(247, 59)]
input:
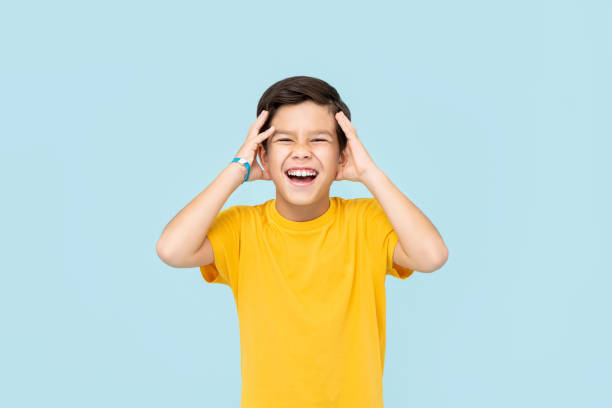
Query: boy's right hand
[(248, 151)]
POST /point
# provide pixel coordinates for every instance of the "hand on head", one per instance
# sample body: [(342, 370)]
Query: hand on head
[(251, 146)]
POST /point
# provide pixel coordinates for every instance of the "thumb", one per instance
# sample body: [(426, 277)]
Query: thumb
[(258, 172), (265, 175)]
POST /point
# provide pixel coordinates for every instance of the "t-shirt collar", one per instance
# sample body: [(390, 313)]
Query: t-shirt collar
[(321, 221)]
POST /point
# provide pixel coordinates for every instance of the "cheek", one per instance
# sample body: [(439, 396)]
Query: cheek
[(328, 156)]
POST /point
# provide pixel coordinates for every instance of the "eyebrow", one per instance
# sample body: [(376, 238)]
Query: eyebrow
[(318, 131)]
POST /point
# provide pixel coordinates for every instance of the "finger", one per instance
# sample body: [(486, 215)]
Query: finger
[(345, 124), (264, 135), (261, 119), (343, 119)]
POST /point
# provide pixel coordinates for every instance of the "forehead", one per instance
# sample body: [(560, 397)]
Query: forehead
[(306, 116)]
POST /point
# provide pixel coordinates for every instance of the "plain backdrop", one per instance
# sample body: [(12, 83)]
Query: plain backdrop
[(492, 117)]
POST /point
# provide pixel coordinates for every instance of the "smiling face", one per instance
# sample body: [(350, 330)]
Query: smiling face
[(305, 137)]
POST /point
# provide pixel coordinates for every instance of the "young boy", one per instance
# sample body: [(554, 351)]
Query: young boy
[(307, 271)]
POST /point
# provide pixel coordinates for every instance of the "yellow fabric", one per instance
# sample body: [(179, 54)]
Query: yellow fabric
[(311, 301)]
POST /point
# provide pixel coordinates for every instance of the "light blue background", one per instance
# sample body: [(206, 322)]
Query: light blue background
[(492, 117)]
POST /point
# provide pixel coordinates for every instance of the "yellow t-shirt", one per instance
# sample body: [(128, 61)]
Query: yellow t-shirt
[(311, 301)]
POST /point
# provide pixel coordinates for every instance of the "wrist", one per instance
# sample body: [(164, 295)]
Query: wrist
[(245, 166), (243, 170), (371, 177)]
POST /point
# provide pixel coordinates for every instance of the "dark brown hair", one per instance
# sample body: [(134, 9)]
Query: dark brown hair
[(298, 89)]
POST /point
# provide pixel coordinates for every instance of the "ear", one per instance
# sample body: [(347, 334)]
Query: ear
[(263, 159), (342, 158), (341, 161)]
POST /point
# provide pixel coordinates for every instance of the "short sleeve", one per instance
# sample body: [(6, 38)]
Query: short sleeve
[(382, 238), (224, 236)]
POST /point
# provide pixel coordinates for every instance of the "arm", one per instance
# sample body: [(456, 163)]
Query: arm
[(420, 246), (183, 241), (186, 232)]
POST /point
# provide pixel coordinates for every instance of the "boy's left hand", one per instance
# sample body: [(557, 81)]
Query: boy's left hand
[(358, 162)]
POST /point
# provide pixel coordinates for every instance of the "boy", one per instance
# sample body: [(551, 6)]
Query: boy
[(306, 270)]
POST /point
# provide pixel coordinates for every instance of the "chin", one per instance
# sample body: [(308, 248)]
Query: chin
[(303, 200), (302, 195)]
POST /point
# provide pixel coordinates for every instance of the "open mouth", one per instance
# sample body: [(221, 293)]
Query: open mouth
[(301, 181)]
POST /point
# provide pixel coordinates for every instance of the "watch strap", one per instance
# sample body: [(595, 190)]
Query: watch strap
[(245, 164)]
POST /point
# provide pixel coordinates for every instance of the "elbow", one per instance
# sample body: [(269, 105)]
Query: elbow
[(442, 258), (162, 252), (438, 259)]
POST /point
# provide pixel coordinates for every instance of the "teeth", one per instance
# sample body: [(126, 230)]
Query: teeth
[(301, 173)]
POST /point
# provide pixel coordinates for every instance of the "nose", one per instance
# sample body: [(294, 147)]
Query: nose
[(300, 150)]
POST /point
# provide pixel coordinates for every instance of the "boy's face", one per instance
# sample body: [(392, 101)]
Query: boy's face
[(305, 136)]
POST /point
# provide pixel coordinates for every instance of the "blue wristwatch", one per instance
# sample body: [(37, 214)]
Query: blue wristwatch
[(245, 164)]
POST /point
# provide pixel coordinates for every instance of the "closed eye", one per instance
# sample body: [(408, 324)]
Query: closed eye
[(285, 139)]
